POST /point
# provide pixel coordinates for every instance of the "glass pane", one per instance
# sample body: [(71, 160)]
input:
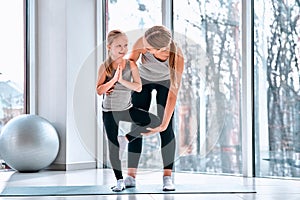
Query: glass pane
[(277, 92), (132, 14), (208, 110), (134, 17), (12, 60)]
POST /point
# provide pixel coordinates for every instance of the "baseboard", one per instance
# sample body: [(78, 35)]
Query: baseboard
[(73, 166)]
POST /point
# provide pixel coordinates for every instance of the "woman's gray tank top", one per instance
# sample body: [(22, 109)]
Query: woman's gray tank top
[(152, 69), (120, 98)]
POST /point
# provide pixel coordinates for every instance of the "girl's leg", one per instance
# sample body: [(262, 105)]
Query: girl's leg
[(134, 154), (142, 119), (111, 126)]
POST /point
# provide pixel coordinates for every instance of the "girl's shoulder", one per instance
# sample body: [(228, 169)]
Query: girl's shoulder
[(101, 70)]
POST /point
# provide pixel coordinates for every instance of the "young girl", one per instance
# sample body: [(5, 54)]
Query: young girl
[(161, 69), (117, 78)]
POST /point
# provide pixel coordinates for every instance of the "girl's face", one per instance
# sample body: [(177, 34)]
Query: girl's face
[(119, 47)]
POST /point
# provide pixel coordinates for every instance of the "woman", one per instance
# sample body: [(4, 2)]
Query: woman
[(161, 68), (117, 78)]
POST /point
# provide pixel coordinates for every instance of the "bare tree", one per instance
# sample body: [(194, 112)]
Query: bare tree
[(221, 28), (283, 92)]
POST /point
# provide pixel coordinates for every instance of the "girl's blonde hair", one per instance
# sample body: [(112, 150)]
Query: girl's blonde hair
[(159, 37), (111, 36)]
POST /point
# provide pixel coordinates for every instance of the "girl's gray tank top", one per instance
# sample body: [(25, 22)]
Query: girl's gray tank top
[(152, 69), (120, 98)]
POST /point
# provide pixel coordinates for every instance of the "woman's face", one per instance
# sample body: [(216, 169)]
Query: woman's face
[(148, 47), (119, 47), (153, 50)]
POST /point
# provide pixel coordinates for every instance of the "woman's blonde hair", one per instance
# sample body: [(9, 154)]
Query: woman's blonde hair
[(111, 36), (159, 37)]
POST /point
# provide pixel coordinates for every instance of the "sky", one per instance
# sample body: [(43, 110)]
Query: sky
[(11, 41)]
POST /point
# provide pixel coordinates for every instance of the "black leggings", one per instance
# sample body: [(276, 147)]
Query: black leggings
[(111, 119), (142, 100)]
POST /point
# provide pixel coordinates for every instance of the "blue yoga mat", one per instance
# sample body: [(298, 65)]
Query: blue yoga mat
[(106, 190)]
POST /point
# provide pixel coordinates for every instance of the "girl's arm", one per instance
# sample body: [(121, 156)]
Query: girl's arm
[(172, 97), (137, 50), (136, 84), (102, 87)]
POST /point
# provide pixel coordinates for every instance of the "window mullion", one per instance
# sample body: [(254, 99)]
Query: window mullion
[(167, 13)]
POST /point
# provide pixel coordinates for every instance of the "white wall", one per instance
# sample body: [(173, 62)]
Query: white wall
[(65, 77)]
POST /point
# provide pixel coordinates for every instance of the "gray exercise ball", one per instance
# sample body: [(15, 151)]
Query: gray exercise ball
[(28, 143)]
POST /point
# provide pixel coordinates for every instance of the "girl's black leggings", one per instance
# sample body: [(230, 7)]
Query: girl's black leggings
[(141, 118), (143, 100)]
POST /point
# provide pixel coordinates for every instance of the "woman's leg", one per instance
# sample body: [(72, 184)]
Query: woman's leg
[(168, 146), (140, 100), (111, 127), (168, 143)]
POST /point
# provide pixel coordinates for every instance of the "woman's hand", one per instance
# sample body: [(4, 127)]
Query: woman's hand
[(154, 130)]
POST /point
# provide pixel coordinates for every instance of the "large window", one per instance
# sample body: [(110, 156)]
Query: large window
[(208, 109), (132, 15), (277, 91), (12, 62)]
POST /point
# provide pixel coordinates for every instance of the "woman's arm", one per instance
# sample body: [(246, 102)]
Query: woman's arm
[(172, 97), (136, 84), (104, 87), (137, 50)]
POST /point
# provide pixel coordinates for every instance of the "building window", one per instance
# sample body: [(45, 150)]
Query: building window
[(208, 109), (12, 62), (277, 91), (132, 15)]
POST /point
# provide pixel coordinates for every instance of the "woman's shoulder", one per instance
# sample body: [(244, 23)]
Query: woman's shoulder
[(130, 63), (139, 41), (139, 45)]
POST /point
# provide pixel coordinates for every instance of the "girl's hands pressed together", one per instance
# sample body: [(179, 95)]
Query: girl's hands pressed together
[(120, 74), (117, 74)]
